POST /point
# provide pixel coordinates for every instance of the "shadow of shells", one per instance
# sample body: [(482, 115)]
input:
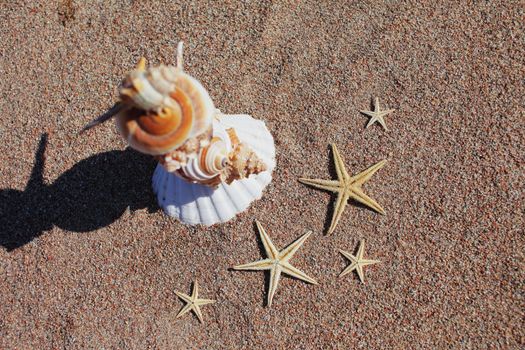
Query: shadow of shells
[(92, 194)]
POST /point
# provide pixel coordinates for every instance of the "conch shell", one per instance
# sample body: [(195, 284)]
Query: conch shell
[(169, 114), (211, 165)]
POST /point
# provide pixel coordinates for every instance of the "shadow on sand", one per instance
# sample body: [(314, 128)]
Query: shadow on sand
[(92, 194)]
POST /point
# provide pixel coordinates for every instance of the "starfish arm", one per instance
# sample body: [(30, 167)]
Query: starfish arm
[(382, 122), (376, 105), (360, 273), (204, 301), (195, 292), (362, 198), (197, 311), (328, 185), (366, 262), (371, 121), (365, 175), (270, 249), (264, 264), (295, 272), (368, 113), (342, 174), (183, 296), (361, 250), (185, 309), (339, 207), (388, 111), (348, 269), (275, 276), (349, 256), (289, 251)]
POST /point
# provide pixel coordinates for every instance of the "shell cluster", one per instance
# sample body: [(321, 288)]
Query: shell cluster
[(196, 203), (169, 114), (211, 165)]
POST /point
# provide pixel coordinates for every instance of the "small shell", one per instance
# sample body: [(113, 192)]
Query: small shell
[(208, 164), (224, 159), (166, 107), (195, 203)]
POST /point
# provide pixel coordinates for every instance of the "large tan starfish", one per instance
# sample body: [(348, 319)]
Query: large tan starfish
[(357, 262), (193, 302), (377, 115), (346, 187), (277, 261)]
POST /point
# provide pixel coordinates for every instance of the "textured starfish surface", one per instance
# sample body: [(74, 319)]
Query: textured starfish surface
[(193, 302), (358, 262), (377, 115), (277, 261), (346, 187)]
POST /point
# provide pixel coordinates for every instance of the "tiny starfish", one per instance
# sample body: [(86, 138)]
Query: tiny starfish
[(193, 302), (357, 262), (377, 115), (346, 187), (277, 261)]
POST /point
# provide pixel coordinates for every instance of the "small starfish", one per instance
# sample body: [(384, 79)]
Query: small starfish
[(277, 262), (357, 262), (377, 115), (193, 302), (346, 187)]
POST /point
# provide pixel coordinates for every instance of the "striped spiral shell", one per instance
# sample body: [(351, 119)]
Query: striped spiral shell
[(224, 159), (169, 114), (166, 107), (211, 165)]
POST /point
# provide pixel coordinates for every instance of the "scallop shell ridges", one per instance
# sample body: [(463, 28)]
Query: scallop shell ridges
[(200, 204)]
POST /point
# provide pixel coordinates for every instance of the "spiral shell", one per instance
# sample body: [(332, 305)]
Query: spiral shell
[(208, 165), (211, 165), (224, 159), (166, 108), (167, 113)]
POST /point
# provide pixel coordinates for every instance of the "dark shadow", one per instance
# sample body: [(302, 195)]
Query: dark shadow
[(92, 194), (333, 196), (23, 214), (330, 209)]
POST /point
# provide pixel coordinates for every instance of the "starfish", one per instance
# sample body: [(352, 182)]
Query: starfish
[(193, 302), (277, 261), (377, 115), (346, 187), (357, 262)]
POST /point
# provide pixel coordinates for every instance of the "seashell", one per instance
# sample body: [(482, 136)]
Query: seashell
[(211, 165), (166, 107), (197, 203), (225, 158)]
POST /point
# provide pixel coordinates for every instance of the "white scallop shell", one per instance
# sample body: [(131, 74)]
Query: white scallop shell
[(193, 203)]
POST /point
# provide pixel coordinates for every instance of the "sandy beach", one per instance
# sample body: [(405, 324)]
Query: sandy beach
[(89, 261)]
